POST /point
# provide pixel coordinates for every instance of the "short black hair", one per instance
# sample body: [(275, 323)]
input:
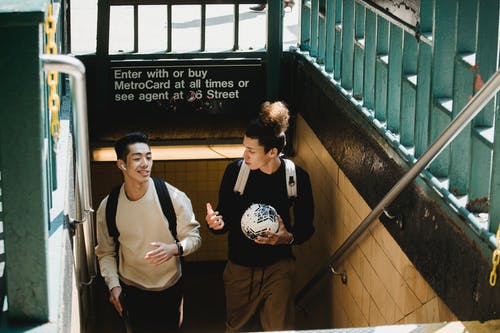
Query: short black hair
[(121, 146)]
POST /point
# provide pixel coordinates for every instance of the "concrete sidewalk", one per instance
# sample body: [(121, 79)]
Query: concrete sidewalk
[(186, 21)]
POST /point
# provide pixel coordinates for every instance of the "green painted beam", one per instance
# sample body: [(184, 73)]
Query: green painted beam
[(347, 65), (314, 28), (381, 78), (444, 48), (466, 26), (487, 59), (395, 76), (408, 90), (370, 58), (460, 170), (461, 147), (408, 99), (274, 48), (358, 82), (338, 40), (441, 118), (359, 51), (19, 13), (480, 167), (23, 156), (426, 15), (422, 111), (381, 70), (487, 56), (330, 35), (305, 27), (320, 59), (495, 180)]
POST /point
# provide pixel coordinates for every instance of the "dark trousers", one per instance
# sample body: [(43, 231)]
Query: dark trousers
[(152, 311)]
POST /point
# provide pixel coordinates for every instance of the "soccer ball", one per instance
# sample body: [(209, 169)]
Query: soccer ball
[(258, 219)]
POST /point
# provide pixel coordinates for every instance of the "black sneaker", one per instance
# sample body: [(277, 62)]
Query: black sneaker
[(258, 8)]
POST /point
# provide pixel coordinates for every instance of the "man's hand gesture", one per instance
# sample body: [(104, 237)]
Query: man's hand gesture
[(214, 220)]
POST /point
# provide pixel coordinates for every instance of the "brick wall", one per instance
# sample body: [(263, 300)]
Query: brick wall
[(383, 287)]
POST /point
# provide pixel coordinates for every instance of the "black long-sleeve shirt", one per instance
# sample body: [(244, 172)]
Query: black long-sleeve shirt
[(271, 190)]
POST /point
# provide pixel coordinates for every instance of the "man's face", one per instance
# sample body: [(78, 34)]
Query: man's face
[(254, 155), (139, 162)]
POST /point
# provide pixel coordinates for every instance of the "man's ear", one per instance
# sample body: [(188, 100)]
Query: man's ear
[(273, 152), (121, 165)]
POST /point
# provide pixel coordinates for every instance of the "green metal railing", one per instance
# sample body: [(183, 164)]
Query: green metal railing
[(412, 81), (450, 133)]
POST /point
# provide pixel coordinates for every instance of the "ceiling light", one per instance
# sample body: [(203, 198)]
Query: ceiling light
[(184, 152)]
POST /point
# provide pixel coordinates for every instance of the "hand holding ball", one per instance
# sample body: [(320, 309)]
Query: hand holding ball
[(258, 219)]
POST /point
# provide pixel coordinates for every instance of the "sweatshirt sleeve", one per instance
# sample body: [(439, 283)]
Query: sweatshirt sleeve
[(188, 229), (105, 249)]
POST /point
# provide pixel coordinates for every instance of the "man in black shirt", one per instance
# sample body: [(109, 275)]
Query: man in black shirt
[(258, 277)]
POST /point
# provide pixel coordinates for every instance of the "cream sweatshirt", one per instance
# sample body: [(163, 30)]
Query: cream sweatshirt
[(139, 223)]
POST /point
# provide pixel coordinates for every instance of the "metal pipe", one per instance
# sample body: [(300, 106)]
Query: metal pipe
[(75, 68), (468, 113)]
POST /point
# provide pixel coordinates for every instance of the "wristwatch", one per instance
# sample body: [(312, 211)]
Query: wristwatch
[(180, 249), (291, 240)]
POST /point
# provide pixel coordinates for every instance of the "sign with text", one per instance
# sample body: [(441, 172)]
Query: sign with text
[(206, 86)]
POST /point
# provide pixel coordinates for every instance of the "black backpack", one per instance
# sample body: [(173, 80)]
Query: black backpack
[(166, 207)]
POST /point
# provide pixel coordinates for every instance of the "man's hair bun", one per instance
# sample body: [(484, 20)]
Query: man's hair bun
[(275, 115)]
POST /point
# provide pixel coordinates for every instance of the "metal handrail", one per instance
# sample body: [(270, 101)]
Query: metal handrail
[(465, 116), (83, 210)]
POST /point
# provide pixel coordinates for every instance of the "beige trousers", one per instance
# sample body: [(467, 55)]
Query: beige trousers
[(259, 294)]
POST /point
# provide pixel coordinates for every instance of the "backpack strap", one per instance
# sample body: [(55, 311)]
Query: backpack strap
[(241, 181), (166, 206), (111, 206), (290, 176)]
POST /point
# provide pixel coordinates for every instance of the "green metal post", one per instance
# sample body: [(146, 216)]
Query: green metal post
[(330, 35), (321, 40), (487, 56), (305, 27), (423, 99), (444, 46), (370, 56), (408, 90), (347, 44), (495, 179), (381, 69), (314, 27), (359, 50), (338, 40), (462, 90), (394, 85), (274, 48), (23, 154), (487, 59)]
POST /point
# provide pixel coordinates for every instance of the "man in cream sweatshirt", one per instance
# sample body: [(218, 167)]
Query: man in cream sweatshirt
[(143, 273)]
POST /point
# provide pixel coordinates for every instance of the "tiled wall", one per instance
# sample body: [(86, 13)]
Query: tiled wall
[(200, 180), (383, 287)]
